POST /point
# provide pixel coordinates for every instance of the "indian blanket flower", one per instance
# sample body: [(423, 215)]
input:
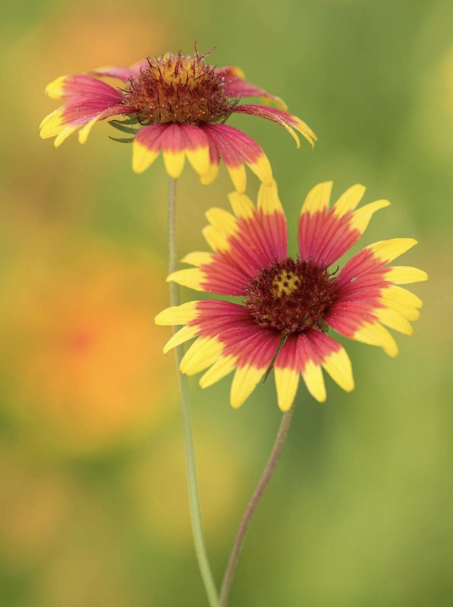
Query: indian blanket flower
[(290, 306), (176, 105)]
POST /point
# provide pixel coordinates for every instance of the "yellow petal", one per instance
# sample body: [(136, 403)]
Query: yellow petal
[(286, 382), (349, 200), (244, 382), (192, 278), (318, 198), (306, 131), (174, 162), (178, 315), (276, 101), (314, 381), (64, 134), (241, 205), (236, 71), (210, 174), (408, 312), (221, 368), (55, 88), (85, 130), (51, 125), (338, 366), (374, 334), (361, 218), (394, 320), (181, 336), (403, 275), (142, 157), (222, 221), (262, 169), (199, 159), (388, 250), (292, 132), (198, 258), (402, 301), (216, 240), (238, 177), (201, 354), (402, 296), (268, 200)]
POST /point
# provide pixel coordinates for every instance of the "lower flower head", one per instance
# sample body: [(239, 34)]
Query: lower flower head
[(176, 105), (290, 296), (291, 306)]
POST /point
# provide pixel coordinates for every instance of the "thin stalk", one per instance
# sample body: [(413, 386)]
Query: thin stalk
[(197, 529), (265, 478)]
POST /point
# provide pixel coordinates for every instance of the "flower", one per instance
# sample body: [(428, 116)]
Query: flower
[(175, 104), (290, 305), (80, 349)]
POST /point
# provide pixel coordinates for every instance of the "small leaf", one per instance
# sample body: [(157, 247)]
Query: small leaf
[(122, 139), (120, 126), (131, 120)]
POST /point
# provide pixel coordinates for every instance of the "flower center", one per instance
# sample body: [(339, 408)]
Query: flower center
[(178, 89), (291, 296)]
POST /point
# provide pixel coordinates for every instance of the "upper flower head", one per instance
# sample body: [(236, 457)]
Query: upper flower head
[(290, 305), (175, 104), (174, 88)]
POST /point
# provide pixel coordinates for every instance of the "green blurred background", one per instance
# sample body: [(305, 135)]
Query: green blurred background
[(93, 507)]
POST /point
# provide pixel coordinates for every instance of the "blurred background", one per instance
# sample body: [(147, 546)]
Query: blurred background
[(93, 506)]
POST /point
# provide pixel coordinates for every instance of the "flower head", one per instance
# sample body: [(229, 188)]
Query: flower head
[(290, 305), (175, 104)]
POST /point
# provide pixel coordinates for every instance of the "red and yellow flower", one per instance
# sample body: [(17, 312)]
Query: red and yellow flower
[(290, 305), (176, 105)]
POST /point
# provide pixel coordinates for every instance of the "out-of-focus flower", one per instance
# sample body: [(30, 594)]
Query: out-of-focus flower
[(82, 346), (290, 305), (175, 104)]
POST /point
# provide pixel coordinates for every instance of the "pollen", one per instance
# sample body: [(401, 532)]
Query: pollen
[(291, 296), (178, 89)]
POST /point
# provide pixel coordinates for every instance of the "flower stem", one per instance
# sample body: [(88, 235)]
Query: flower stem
[(265, 478), (195, 512)]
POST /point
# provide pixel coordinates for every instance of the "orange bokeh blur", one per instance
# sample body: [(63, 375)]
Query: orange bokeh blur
[(80, 345)]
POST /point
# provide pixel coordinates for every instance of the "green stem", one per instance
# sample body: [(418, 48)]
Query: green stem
[(265, 478), (195, 512)]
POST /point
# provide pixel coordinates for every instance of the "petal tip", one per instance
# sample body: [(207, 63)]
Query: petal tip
[(349, 387), (236, 403), (285, 406)]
